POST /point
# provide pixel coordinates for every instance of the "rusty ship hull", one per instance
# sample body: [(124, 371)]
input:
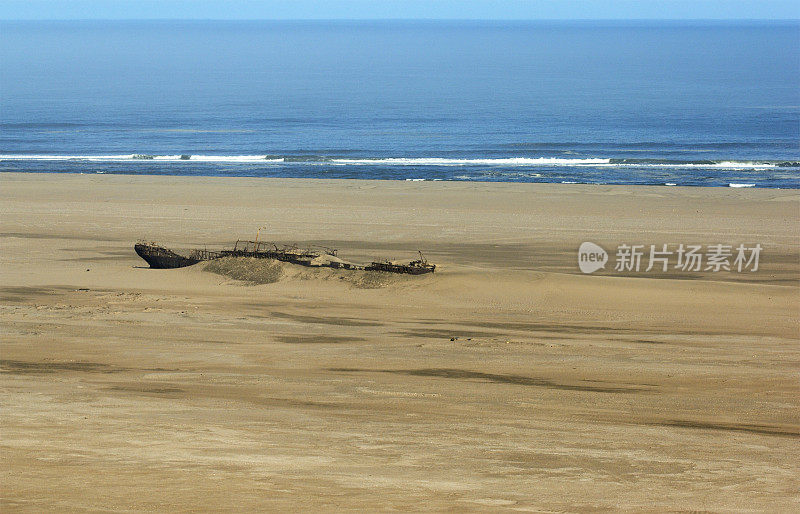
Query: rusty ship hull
[(159, 257), (412, 268)]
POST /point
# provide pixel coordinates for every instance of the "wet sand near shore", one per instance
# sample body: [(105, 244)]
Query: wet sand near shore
[(506, 381)]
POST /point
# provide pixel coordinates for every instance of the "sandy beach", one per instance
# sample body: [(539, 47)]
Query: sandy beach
[(506, 381)]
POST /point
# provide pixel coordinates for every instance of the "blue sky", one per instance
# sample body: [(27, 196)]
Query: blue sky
[(408, 9)]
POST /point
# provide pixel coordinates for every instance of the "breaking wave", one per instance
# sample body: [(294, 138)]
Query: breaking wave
[(506, 162), (435, 161), (139, 157)]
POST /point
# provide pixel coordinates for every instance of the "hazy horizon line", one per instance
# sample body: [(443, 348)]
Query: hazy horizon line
[(518, 20)]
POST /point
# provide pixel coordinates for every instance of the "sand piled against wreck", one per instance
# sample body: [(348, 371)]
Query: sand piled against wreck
[(247, 269), (255, 271)]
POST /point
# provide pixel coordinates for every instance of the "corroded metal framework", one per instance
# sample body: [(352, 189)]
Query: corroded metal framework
[(163, 258)]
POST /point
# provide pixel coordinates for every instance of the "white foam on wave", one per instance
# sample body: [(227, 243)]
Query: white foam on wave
[(726, 165), (437, 161), (520, 162), (35, 157), (139, 158), (234, 158), (741, 185), (737, 165)]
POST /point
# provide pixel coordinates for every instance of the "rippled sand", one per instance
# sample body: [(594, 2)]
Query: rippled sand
[(506, 381)]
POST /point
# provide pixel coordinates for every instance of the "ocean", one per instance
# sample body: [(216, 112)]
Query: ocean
[(662, 103)]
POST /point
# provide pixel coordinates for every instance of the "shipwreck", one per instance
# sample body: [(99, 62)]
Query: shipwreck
[(159, 257)]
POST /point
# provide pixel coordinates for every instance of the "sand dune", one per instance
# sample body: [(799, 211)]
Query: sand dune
[(506, 381)]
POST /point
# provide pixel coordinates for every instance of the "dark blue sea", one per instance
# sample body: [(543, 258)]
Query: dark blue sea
[(686, 103)]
